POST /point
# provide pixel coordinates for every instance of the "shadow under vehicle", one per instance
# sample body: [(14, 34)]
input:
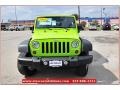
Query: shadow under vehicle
[(96, 70)]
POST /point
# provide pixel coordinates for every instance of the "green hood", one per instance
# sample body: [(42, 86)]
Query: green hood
[(55, 33)]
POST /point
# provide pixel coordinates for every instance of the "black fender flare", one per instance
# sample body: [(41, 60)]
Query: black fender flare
[(86, 45), (23, 47)]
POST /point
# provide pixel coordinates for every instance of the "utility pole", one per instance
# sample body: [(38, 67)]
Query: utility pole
[(101, 16), (2, 21), (15, 15), (119, 19), (79, 13), (105, 14), (119, 34)]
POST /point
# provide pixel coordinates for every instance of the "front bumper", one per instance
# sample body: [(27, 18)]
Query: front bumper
[(37, 62)]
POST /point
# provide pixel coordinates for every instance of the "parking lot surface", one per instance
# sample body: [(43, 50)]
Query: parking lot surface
[(105, 66)]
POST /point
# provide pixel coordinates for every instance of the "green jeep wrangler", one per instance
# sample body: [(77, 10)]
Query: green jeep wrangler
[(55, 43)]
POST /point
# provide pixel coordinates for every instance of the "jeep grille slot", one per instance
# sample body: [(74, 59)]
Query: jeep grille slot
[(51, 47), (59, 47), (42, 47), (47, 50), (67, 47), (63, 47), (55, 47)]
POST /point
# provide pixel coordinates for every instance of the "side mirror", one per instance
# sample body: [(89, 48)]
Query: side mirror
[(32, 29), (80, 27)]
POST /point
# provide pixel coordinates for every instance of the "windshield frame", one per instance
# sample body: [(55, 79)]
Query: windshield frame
[(75, 25)]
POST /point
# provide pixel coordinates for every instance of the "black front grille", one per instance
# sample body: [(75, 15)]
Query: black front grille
[(55, 47)]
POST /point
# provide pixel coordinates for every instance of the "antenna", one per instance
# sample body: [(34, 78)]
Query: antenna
[(101, 16), (15, 15), (105, 14), (79, 13)]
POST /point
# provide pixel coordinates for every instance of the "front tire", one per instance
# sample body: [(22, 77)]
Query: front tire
[(82, 70), (25, 70)]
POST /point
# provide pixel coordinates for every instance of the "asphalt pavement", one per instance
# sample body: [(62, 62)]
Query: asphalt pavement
[(105, 66)]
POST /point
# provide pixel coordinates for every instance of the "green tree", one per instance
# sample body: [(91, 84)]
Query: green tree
[(76, 16), (95, 22), (83, 23)]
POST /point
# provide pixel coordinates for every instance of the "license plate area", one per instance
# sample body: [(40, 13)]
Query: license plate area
[(55, 63)]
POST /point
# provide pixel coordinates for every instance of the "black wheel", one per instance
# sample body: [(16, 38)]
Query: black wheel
[(25, 70), (82, 70), (84, 53), (17, 29), (106, 26)]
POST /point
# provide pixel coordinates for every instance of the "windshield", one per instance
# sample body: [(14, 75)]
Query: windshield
[(55, 22)]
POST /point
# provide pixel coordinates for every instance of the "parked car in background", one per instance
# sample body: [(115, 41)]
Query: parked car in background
[(106, 26), (115, 27), (12, 28), (4, 28), (20, 28), (16, 27), (92, 27)]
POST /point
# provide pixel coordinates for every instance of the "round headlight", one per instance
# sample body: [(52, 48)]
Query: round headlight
[(35, 44), (75, 44)]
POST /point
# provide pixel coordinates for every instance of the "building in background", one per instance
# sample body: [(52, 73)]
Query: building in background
[(111, 20), (29, 23), (26, 23)]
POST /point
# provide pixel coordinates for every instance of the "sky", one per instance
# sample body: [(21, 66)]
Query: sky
[(30, 12)]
